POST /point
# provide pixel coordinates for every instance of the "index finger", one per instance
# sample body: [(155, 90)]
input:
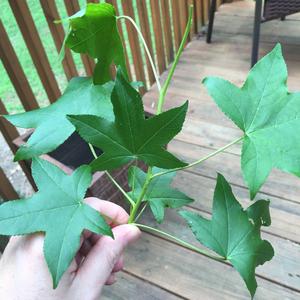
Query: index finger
[(113, 213)]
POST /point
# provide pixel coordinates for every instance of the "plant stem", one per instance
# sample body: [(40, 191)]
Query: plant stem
[(180, 242), (93, 151), (141, 212), (141, 197), (111, 178), (174, 65), (200, 160), (132, 203), (146, 48)]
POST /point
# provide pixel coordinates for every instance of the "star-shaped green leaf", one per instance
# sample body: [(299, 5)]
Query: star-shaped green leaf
[(131, 136), (56, 209), (94, 31), (51, 123), (268, 114), (160, 194), (231, 234)]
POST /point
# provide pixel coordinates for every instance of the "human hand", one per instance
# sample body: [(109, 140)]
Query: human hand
[(24, 273)]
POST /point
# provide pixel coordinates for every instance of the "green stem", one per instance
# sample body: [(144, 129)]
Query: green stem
[(200, 160), (141, 197), (141, 212), (174, 65), (131, 202), (146, 48), (112, 179), (93, 151), (180, 242)]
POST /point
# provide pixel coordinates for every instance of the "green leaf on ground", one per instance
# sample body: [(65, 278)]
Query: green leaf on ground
[(268, 114), (160, 194), (94, 31), (56, 209), (52, 126), (131, 136), (231, 234)]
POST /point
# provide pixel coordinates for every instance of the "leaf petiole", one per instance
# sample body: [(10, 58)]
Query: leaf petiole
[(180, 242), (201, 159), (146, 48), (131, 202), (141, 212), (141, 197)]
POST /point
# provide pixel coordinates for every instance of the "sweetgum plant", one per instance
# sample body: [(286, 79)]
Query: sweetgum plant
[(110, 115)]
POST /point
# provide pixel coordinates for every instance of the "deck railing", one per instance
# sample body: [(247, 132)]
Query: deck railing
[(162, 23)]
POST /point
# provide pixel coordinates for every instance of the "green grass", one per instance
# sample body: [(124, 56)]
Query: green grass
[(7, 91)]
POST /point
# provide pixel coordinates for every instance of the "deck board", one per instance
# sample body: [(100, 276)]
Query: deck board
[(179, 272)]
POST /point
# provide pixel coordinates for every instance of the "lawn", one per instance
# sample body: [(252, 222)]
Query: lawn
[(7, 92)]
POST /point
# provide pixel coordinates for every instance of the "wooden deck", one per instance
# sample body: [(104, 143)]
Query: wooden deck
[(159, 269)]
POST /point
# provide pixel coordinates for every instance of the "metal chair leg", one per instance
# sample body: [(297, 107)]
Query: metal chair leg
[(211, 20), (256, 32)]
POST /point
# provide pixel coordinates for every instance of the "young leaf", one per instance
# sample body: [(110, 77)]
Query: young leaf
[(131, 136), (52, 126), (268, 114), (56, 209), (231, 234), (160, 194), (94, 31)]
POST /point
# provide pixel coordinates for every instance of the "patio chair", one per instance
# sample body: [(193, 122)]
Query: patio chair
[(272, 9)]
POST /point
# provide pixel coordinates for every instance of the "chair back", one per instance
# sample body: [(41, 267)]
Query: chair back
[(274, 9)]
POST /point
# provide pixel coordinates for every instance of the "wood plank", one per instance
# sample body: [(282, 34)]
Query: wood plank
[(15, 72), (165, 9), (10, 133), (72, 7), (132, 287), (134, 44), (274, 31), (145, 28), (206, 5), (33, 42), (278, 184), (58, 35), (285, 215), (284, 262), (158, 34), (176, 23), (7, 191), (183, 17), (191, 275)]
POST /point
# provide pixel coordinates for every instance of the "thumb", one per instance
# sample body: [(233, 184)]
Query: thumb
[(101, 259)]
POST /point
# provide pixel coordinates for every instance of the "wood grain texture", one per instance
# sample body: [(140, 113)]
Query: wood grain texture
[(176, 23), (134, 44), (167, 25), (145, 28), (33, 42), (134, 288), (10, 133), (158, 34), (191, 275), (58, 35), (7, 192)]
